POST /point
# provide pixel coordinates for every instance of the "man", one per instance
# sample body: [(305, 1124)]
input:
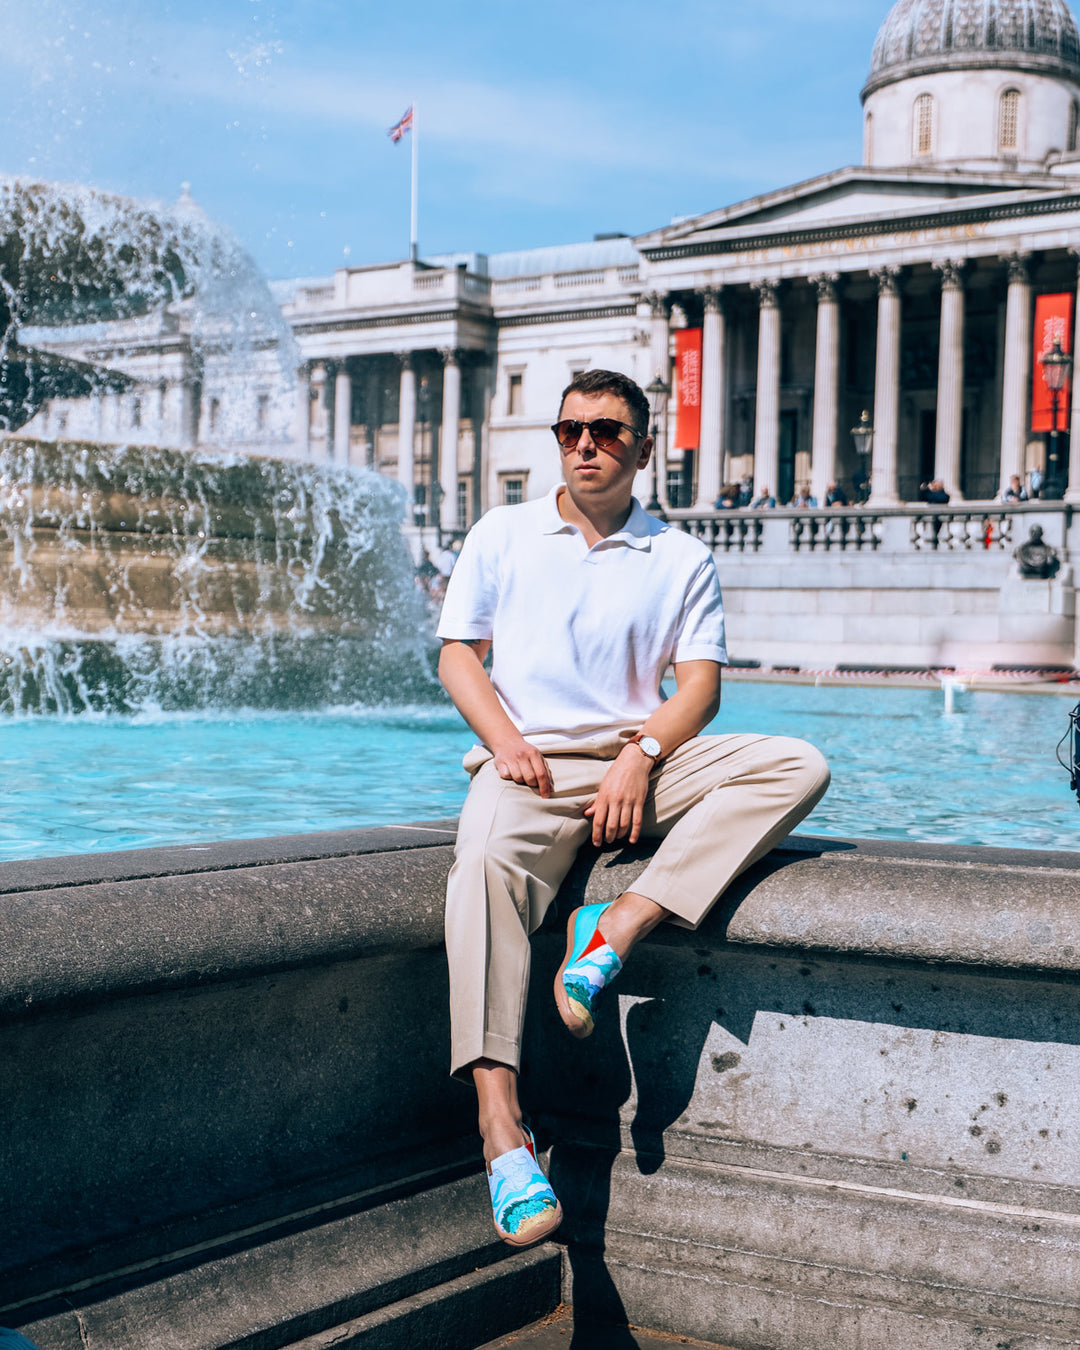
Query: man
[(586, 600)]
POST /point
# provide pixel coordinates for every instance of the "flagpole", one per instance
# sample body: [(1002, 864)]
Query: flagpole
[(414, 232)]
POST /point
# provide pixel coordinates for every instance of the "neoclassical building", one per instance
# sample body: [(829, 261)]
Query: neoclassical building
[(905, 286)]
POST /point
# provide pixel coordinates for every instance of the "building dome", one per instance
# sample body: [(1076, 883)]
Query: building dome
[(920, 37)]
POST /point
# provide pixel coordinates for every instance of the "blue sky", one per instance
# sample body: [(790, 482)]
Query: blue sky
[(541, 123)]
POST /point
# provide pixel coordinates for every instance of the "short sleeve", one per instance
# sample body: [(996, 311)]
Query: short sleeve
[(472, 595), (701, 628)]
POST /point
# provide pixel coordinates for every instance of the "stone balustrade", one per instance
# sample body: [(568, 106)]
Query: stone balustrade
[(915, 528)]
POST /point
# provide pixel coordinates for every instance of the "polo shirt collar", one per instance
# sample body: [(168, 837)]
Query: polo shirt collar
[(636, 533)]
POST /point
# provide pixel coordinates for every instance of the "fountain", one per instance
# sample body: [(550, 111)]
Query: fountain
[(134, 576)]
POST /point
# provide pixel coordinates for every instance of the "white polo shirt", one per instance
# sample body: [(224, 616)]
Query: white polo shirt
[(581, 637)]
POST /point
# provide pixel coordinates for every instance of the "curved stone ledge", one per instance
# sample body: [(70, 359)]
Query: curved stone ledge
[(848, 1101), (935, 903), (93, 926)]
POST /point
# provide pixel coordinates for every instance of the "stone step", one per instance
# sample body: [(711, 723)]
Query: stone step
[(426, 1258), (502, 1298), (559, 1330)]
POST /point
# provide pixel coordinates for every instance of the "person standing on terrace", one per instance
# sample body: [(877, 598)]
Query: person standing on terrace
[(585, 600)]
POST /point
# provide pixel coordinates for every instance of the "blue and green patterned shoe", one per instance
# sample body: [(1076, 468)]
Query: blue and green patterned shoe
[(523, 1204), (588, 966)]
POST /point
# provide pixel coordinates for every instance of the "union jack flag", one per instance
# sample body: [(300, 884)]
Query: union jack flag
[(400, 128)]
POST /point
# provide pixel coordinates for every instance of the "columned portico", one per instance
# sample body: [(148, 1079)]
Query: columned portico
[(884, 480), (406, 470), (826, 385), (950, 396), (342, 414), (713, 399), (767, 425), (1017, 368), (448, 440)]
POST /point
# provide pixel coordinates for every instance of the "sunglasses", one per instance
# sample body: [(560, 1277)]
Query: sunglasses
[(604, 432)]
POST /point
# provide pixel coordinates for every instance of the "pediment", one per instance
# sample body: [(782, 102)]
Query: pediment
[(848, 194)]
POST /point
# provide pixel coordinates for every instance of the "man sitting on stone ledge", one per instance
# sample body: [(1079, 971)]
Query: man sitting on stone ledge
[(586, 600)]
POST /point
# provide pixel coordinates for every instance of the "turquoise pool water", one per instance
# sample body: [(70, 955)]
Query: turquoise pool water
[(902, 769)]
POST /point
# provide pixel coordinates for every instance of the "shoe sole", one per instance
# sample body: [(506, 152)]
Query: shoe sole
[(529, 1240), (579, 1025)]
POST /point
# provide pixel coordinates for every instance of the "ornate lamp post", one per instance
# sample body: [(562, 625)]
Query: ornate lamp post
[(659, 392), (863, 436), (1056, 365)]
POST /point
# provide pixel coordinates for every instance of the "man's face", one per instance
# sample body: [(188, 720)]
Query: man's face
[(592, 474)]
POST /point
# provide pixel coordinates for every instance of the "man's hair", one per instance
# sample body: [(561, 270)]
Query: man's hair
[(611, 382)]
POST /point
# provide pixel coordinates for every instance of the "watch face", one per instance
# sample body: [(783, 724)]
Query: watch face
[(650, 745)]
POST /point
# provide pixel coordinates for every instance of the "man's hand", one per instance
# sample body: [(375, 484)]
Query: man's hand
[(523, 763), (616, 810)]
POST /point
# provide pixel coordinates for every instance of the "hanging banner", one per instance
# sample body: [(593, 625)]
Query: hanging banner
[(687, 389), (1053, 319)]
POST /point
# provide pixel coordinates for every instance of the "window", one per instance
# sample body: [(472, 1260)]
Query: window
[(513, 488), (1074, 125), (215, 412), (924, 124), (463, 486), (1009, 121), (514, 399), (868, 139), (136, 412), (262, 408)]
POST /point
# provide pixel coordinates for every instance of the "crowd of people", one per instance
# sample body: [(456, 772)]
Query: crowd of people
[(740, 495), (432, 574), (736, 496)]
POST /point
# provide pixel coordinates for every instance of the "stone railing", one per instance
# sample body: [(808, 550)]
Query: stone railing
[(969, 528), (842, 1113)]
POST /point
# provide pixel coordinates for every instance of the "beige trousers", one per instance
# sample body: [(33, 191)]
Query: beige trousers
[(719, 803)]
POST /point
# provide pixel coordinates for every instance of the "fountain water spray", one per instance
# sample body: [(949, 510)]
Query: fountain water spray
[(134, 577)]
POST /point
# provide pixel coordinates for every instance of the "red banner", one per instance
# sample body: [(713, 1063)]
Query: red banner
[(1053, 319), (687, 389)]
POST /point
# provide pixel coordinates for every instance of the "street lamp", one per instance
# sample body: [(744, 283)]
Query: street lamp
[(1056, 365), (659, 392), (863, 436)]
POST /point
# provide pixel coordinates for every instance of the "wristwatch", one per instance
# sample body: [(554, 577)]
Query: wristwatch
[(648, 745)]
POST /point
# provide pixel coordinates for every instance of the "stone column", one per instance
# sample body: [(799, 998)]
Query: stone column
[(1072, 490), (659, 336), (448, 440), (372, 412), (302, 413), (318, 431), (884, 483), (767, 428), (950, 395), (190, 399), (826, 386), (713, 401), (406, 469), (1017, 369), (342, 414)]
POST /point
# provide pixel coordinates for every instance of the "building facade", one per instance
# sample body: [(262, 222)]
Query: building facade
[(904, 286)]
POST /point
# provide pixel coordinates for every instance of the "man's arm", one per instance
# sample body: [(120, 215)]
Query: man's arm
[(461, 670), (618, 805)]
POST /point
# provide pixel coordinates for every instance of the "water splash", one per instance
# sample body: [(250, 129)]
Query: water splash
[(77, 265), (137, 579)]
